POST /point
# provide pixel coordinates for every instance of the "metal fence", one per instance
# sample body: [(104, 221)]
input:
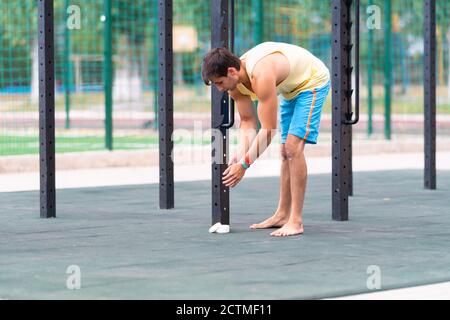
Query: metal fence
[(391, 66)]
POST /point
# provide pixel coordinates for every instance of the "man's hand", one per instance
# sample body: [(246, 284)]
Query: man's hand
[(233, 174)]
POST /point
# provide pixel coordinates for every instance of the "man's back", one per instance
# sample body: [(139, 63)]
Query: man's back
[(306, 71)]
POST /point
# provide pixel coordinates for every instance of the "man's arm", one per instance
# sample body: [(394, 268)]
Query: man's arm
[(264, 85), (248, 124)]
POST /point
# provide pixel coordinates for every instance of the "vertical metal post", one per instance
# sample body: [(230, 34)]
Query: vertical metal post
[(220, 13), (107, 67), (258, 20), (155, 75), (387, 68), (430, 93), (68, 67), (165, 104), (341, 106), (46, 109)]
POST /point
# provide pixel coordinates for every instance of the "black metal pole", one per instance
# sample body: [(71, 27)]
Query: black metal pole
[(341, 108), (220, 37), (46, 109), (165, 105), (349, 121), (430, 94)]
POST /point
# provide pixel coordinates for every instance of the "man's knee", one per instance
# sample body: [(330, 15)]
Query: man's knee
[(294, 148)]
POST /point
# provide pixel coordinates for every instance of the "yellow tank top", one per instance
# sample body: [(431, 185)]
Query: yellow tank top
[(306, 71)]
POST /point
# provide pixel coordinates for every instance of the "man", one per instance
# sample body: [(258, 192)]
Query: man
[(263, 72)]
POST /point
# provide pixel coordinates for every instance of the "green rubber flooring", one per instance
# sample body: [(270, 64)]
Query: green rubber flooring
[(126, 248)]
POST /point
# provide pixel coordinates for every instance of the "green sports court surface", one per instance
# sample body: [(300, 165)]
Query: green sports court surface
[(126, 248)]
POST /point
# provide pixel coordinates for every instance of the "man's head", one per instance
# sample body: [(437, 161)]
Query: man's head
[(221, 67)]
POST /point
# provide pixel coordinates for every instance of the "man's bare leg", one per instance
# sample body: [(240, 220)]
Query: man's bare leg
[(298, 176), (281, 216)]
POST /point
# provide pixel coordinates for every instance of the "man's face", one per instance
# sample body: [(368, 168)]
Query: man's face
[(227, 83)]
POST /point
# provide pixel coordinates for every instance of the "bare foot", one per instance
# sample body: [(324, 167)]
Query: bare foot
[(289, 229), (276, 221)]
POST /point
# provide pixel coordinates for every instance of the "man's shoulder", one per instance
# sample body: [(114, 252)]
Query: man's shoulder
[(265, 66)]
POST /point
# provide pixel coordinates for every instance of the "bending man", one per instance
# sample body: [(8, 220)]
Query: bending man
[(262, 73)]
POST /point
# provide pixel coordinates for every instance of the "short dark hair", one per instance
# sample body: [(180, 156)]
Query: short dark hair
[(216, 63)]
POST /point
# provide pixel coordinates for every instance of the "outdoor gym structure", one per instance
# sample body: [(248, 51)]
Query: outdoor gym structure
[(222, 109)]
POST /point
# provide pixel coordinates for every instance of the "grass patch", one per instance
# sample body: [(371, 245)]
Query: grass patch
[(21, 145)]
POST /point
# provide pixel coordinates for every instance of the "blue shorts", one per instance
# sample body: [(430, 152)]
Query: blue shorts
[(301, 116)]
